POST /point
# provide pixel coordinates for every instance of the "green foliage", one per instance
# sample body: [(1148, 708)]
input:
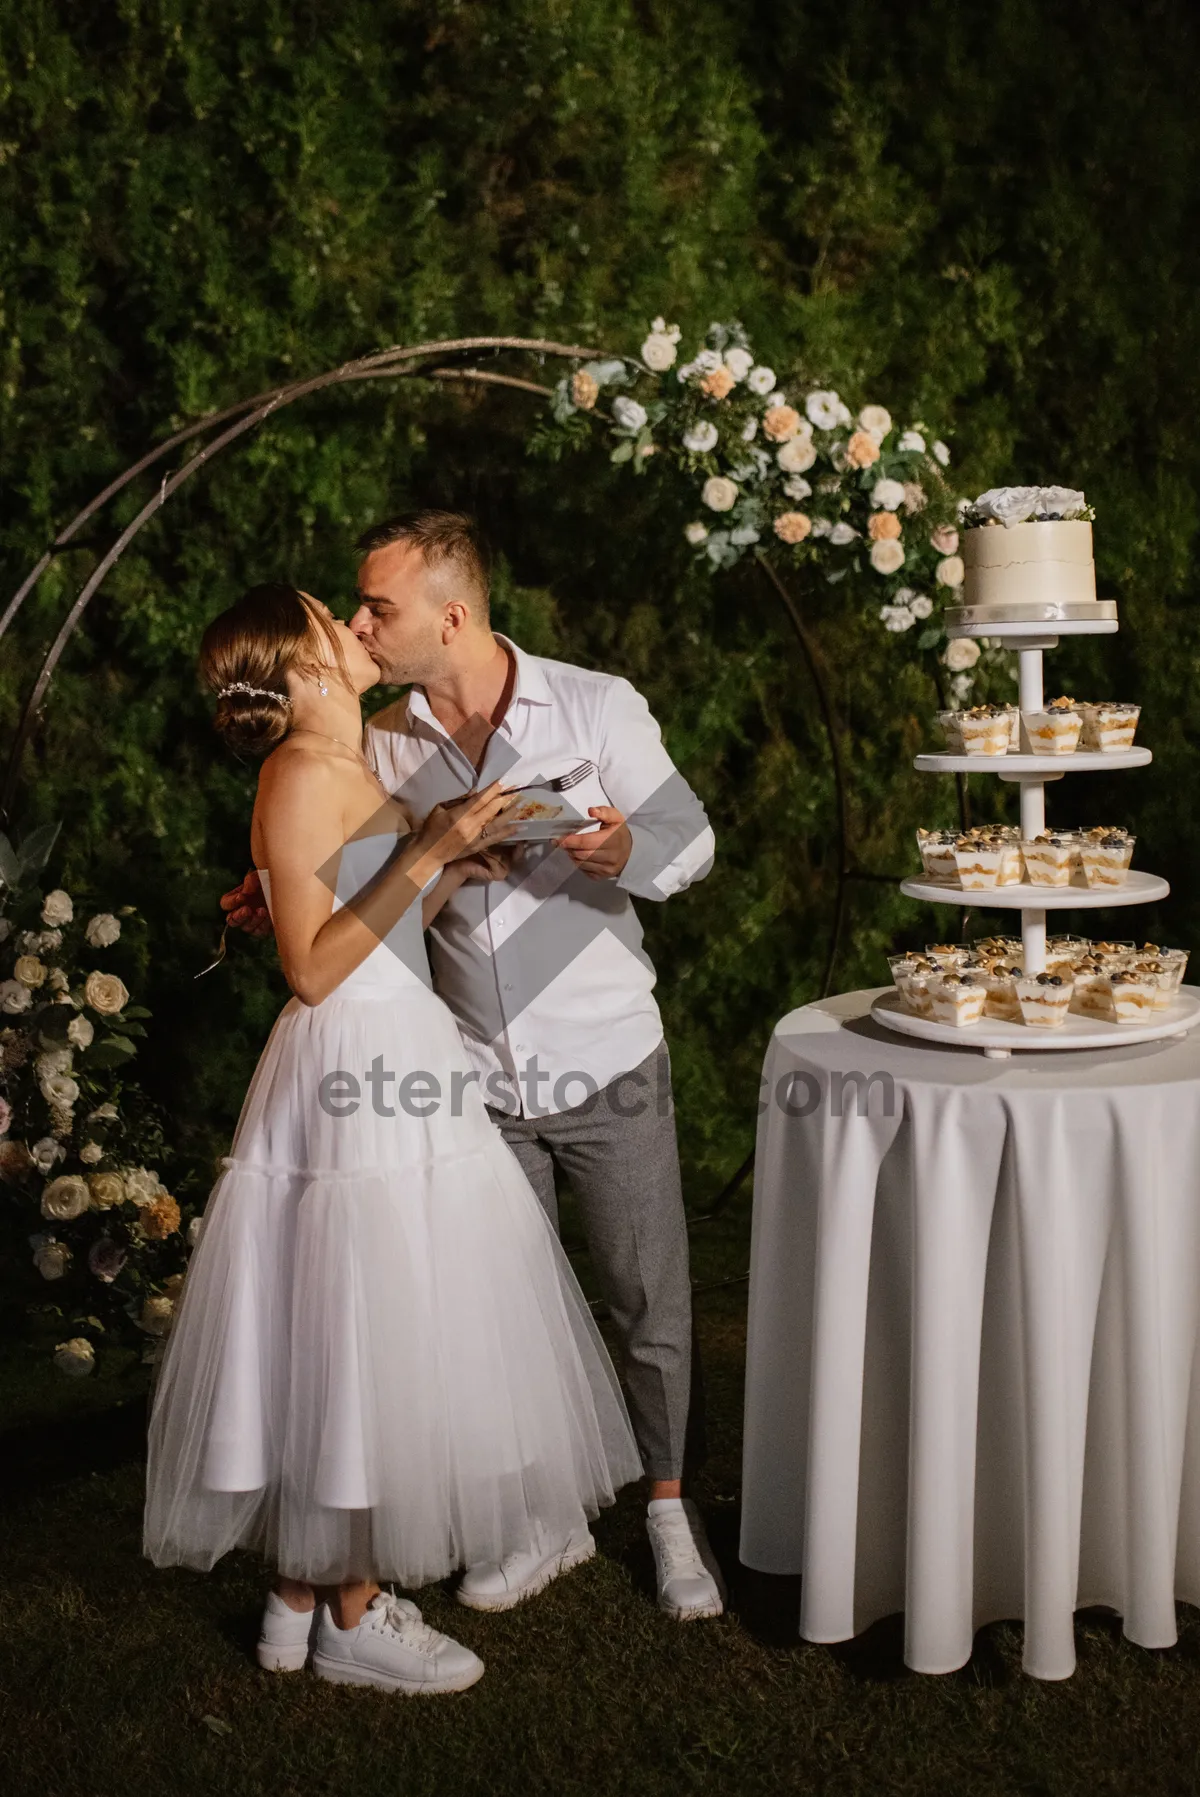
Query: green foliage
[(982, 214)]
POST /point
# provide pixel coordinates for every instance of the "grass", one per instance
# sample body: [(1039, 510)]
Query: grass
[(117, 1679)]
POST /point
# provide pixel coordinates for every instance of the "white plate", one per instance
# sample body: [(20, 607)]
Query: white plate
[(1138, 889), (997, 1038), (556, 816)]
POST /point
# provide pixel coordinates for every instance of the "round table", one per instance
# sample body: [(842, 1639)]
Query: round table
[(972, 1389)]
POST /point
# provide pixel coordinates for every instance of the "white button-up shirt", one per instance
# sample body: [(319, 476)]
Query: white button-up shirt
[(545, 970)]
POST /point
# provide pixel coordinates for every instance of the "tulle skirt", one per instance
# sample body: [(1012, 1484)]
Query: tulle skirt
[(381, 1364)]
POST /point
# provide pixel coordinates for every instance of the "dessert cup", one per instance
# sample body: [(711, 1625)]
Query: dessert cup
[(958, 998), (1000, 981), (946, 956), (1012, 862), (1092, 995), (910, 975), (1045, 999), (1134, 995), (1048, 858), (978, 862), (1104, 860), (1159, 974), (985, 730), (1175, 960), (1109, 728), (937, 855), (1054, 731)]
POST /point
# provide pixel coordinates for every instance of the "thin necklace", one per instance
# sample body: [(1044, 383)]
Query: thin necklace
[(325, 737)]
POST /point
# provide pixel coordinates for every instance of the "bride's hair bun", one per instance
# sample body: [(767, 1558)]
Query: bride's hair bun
[(245, 657)]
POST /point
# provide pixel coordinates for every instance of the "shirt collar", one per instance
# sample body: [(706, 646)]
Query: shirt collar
[(530, 686)]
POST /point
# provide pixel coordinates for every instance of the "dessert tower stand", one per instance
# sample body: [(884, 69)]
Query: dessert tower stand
[(1030, 635)]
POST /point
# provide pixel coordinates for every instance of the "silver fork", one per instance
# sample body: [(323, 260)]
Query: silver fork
[(561, 782)]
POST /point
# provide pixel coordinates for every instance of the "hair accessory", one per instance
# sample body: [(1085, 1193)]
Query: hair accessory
[(256, 692)]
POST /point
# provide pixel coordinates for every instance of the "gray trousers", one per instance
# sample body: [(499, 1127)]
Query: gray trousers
[(620, 1154)]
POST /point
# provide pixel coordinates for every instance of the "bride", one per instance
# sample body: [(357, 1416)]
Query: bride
[(381, 1366)]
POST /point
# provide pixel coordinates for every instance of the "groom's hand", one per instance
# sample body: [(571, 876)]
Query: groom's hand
[(245, 908), (601, 853)]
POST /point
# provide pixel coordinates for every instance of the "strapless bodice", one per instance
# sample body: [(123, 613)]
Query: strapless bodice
[(399, 960)]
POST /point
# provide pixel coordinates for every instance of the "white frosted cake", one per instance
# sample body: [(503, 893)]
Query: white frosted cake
[(1027, 556)]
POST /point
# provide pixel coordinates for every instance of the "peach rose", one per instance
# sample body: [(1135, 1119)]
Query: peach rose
[(883, 527), (718, 383), (585, 391), (792, 527), (781, 423), (105, 993), (861, 450)]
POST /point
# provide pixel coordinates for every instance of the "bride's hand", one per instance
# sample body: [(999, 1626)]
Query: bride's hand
[(454, 830), (484, 864)]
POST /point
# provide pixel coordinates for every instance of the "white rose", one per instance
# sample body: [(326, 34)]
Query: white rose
[(156, 1315), (826, 410), (961, 686), (102, 930), (920, 606), (949, 572), (841, 534), (90, 1153), (962, 652), (628, 413), (887, 556), (65, 1198), (701, 437), (1057, 502), (59, 1089), (911, 442), (80, 1032), (749, 430), (719, 494), (75, 1358), (796, 487), (47, 943), (877, 422), (940, 453), (797, 456), (706, 361), (897, 617), (45, 1152), (761, 379), (696, 533), (142, 1186), (659, 352), (14, 997), (193, 1231), (57, 907), (51, 1258), (888, 495), (739, 363)]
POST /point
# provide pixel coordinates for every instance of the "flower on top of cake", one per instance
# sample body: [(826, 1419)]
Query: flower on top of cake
[(1027, 505)]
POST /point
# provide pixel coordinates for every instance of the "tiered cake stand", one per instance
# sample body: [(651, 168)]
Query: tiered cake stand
[(998, 1039)]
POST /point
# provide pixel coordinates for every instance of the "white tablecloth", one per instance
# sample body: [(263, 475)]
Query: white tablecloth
[(971, 1388)]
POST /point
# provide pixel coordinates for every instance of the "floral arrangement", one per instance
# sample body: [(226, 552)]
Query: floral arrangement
[(1027, 505), (100, 1229), (783, 471)]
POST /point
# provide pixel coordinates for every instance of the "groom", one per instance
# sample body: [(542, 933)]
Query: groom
[(546, 976)]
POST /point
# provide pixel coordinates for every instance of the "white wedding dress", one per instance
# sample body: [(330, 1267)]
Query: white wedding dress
[(381, 1363)]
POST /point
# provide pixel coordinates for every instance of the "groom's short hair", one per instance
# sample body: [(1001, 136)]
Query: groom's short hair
[(441, 537)]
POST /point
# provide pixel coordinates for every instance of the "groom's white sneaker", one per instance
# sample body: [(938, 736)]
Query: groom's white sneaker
[(503, 1585), (286, 1637), (689, 1580), (393, 1648)]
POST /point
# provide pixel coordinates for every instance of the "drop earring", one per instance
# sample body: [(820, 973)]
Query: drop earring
[(322, 689)]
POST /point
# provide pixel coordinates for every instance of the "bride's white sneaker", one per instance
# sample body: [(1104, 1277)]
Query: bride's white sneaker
[(393, 1648), (286, 1637), (504, 1584), (689, 1580)]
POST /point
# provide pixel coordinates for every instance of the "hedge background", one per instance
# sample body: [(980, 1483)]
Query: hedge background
[(982, 215)]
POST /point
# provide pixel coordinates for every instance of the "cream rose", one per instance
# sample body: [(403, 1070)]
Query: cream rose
[(793, 527), (696, 533), (80, 1032), (14, 997), (51, 1258), (105, 1190), (883, 527), (888, 495), (876, 421), (104, 929), (75, 1358), (911, 443), (962, 652), (796, 457), (719, 494), (65, 1198), (156, 1315), (701, 436), (949, 573), (739, 362), (861, 450), (781, 423), (105, 993), (90, 1153), (29, 970), (57, 908), (887, 557), (659, 350), (142, 1186)]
